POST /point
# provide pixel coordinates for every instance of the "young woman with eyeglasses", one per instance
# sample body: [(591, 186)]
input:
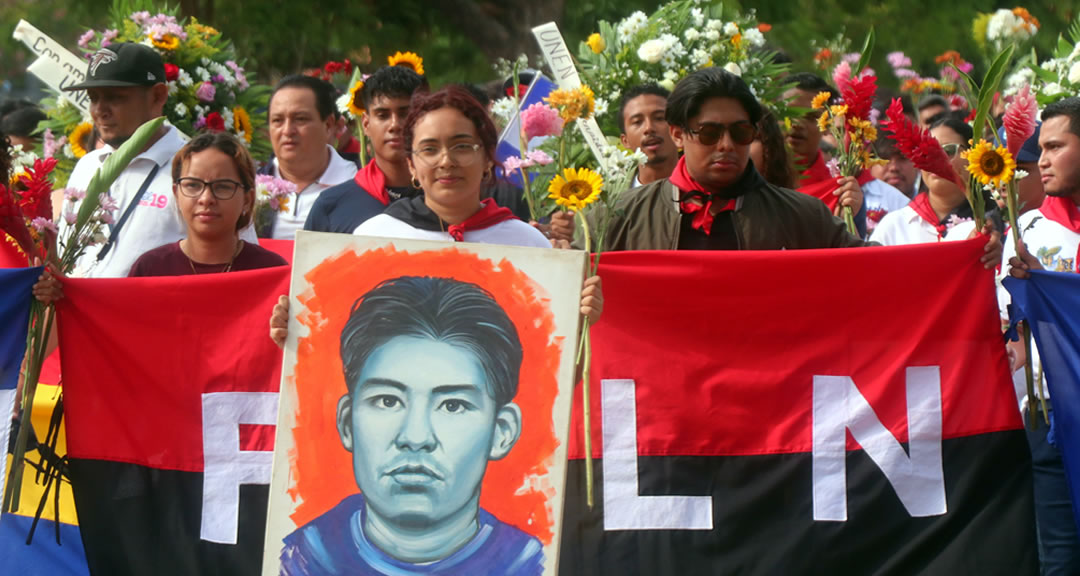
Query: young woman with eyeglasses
[(942, 212), (452, 141), (214, 186)]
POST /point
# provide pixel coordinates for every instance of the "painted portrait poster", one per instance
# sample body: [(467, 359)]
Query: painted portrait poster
[(425, 404)]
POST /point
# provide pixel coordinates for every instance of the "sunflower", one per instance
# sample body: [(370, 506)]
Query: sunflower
[(168, 42), (76, 139), (575, 188), (242, 123), (408, 60), (573, 104), (990, 164), (820, 100), (356, 99)]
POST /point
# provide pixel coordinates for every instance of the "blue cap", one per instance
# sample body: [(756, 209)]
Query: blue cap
[(1030, 151)]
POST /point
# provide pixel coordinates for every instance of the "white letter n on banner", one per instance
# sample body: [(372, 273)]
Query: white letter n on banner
[(918, 479), (624, 508), (225, 465)]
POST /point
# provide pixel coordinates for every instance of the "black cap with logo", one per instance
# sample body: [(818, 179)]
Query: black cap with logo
[(123, 64)]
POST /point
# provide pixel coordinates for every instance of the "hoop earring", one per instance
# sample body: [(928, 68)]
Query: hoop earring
[(487, 174), (415, 183)]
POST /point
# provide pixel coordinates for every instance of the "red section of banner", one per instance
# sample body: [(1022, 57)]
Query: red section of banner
[(723, 347), (283, 248), (148, 409)]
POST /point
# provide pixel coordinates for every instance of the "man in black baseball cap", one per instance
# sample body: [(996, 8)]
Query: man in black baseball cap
[(126, 86)]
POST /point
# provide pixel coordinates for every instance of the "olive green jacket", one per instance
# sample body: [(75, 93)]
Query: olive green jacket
[(766, 217)]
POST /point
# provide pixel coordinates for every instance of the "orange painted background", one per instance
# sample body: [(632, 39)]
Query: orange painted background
[(514, 489)]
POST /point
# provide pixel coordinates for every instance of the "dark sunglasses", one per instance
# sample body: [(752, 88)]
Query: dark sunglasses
[(708, 134)]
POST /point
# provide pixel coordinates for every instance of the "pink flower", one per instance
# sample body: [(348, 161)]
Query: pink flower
[(541, 120), (1019, 120), (539, 157), (515, 163), (842, 76), (74, 194), (834, 167), (140, 18), (898, 60), (52, 144), (108, 204), (85, 39), (70, 217), (43, 224), (108, 37), (205, 92)]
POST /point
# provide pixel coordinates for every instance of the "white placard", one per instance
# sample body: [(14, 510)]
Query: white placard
[(561, 63), (55, 65)]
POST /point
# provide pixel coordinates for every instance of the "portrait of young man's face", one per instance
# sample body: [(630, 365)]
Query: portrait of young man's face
[(422, 424)]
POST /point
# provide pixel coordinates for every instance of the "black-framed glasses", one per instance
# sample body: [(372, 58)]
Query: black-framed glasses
[(951, 150), (709, 133), (462, 154), (221, 189)]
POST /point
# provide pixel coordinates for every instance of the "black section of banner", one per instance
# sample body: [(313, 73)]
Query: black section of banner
[(764, 524), (145, 521)]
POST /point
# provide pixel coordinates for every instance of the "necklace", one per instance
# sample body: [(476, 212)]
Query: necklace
[(239, 247)]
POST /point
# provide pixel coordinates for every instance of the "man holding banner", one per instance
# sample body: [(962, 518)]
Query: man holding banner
[(1051, 238)]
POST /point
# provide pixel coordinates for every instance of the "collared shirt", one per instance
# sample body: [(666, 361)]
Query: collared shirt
[(905, 226), (881, 198), (338, 170), (1055, 246)]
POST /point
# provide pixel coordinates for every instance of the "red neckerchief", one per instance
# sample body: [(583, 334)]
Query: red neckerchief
[(703, 216), (1063, 210), (818, 182), (489, 215), (373, 181), (921, 205)]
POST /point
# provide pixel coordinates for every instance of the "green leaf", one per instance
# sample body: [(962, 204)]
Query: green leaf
[(867, 51), (112, 167), (989, 86)]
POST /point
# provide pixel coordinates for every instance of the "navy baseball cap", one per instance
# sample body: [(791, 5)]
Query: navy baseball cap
[(1030, 151), (123, 64)]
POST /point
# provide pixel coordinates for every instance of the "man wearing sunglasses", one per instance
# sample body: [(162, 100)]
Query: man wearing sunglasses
[(715, 199)]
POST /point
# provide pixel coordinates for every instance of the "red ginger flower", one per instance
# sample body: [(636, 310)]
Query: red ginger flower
[(918, 145), (1019, 120), (35, 201), (13, 224)]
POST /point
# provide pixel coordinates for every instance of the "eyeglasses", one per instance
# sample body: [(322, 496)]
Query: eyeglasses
[(461, 154), (708, 134), (951, 150), (221, 189)]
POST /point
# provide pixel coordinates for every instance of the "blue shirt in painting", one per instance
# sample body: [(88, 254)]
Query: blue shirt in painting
[(335, 544)]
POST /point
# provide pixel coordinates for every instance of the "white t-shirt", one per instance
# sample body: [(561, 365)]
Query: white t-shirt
[(905, 226), (337, 171), (155, 222), (1055, 246), (508, 232), (880, 199)]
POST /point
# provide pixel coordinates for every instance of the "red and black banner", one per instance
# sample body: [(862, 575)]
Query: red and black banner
[(170, 389), (809, 412)]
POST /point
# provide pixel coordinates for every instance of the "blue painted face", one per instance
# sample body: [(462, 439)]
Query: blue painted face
[(422, 425)]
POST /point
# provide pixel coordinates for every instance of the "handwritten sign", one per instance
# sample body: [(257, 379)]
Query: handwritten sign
[(562, 67), (55, 65)]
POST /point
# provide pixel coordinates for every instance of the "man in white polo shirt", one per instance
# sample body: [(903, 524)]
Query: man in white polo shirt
[(301, 120), (126, 86)]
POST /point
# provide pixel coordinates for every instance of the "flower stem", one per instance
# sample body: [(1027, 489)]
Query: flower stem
[(849, 219), (36, 341), (584, 360)]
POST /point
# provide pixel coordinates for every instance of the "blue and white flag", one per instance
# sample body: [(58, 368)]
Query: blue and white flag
[(1050, 302), (509, 141), (15, 297)]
